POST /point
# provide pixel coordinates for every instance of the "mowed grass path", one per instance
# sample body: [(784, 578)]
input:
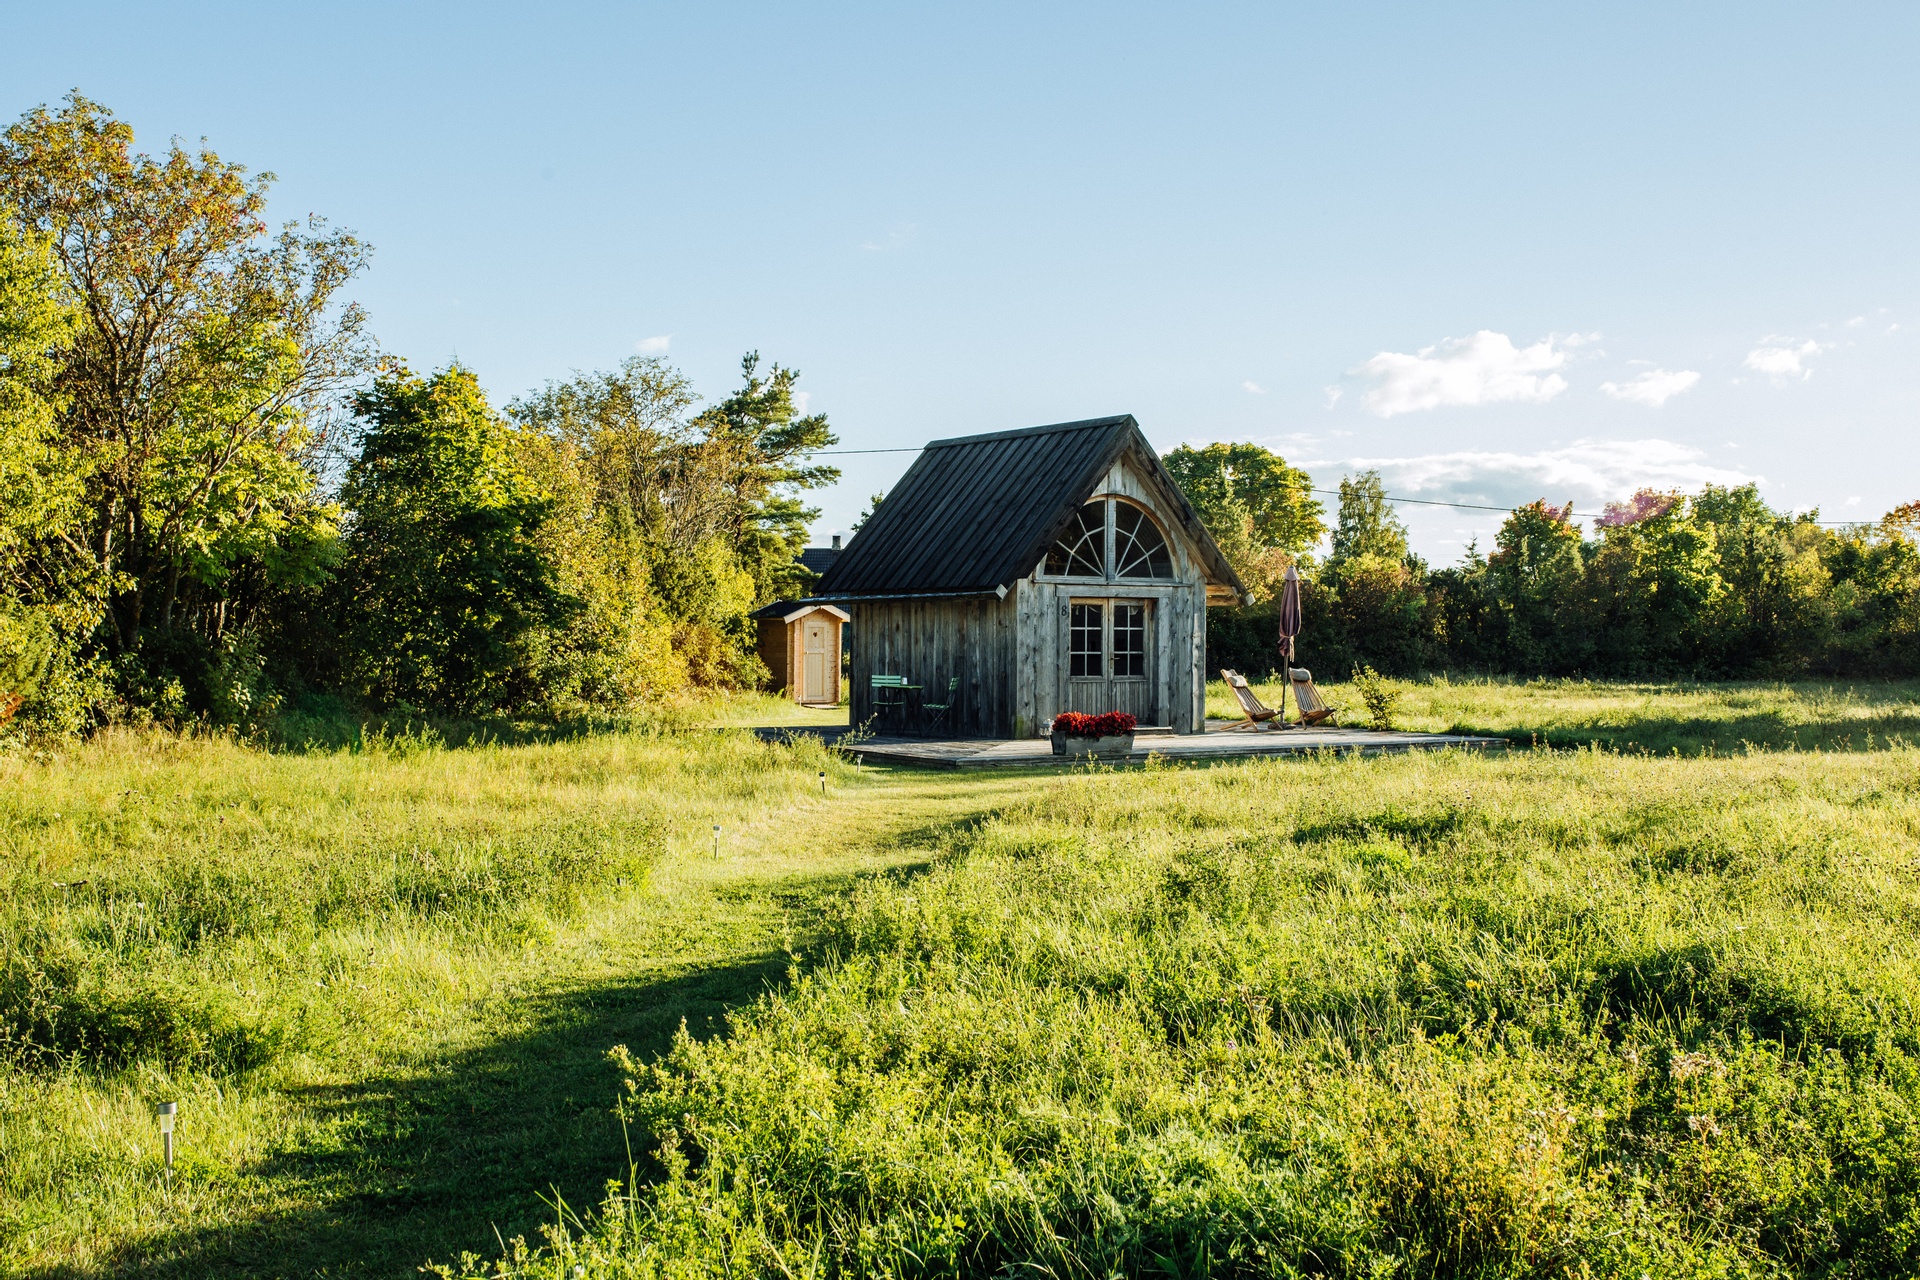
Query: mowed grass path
[(438, 1075)]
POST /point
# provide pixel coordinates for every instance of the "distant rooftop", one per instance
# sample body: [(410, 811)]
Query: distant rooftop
[(820, 559)]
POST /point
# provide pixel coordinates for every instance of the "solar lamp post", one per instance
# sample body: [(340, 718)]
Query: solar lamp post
[(166, 1112), (823, 784), (716, 840)]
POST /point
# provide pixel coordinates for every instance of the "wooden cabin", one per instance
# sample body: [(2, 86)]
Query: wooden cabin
[(1051, 569), (800, 643)]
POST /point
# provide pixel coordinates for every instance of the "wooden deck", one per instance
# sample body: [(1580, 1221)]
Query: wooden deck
[(1031, 753)]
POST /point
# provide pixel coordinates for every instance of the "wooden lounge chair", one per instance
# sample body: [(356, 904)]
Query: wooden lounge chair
[(1313, 707), (1257, 713)]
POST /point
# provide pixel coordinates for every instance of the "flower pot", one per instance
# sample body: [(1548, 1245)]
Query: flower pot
[(1117, 746)]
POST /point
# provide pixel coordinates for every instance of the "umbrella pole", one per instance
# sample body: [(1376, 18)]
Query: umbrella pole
[(1286, 679)]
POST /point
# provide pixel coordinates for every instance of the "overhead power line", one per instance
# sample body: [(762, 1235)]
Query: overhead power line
[(1418, 502)]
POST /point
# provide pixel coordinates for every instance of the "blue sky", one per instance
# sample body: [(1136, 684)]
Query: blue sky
[(1499, 251)]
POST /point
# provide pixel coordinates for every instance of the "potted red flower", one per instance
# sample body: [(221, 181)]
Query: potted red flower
[(1077, 734)]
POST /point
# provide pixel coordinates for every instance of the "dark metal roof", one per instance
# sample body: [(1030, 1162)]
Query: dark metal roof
[(784, 608), (818, 559), (977, 513)]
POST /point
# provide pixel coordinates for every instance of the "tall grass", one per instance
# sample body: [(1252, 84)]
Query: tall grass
[(199, 919), (1558, 1014), (1660, 717)]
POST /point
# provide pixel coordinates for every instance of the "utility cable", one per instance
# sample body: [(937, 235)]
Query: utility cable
[(1420, 502)]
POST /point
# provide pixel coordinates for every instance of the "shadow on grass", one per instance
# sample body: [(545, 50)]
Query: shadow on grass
[(423, 1167)]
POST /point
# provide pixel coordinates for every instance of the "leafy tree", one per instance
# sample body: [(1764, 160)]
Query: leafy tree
[(447, 597), (1244, 488), (1366, 526), (761, 438), (652, 515), (1651, 594), (1874, 605), (40, 613), (194, 396), (630, 430), (1534, 573), (1260, 511), (1774, 615), (39, 485)]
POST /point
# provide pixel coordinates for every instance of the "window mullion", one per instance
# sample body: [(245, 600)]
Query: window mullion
[(1113, 547)]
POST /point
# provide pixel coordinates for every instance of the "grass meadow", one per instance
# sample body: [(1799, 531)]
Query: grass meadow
[(1690, 718), (1642, 1007)]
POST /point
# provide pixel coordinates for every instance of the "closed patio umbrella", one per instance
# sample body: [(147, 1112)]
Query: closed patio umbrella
[(1289, 628)]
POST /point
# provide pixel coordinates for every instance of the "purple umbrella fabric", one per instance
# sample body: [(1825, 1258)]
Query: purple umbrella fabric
[(1289, 614), (1289, 628)]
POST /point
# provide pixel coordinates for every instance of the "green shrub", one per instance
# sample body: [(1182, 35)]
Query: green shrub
[(1379, 695)]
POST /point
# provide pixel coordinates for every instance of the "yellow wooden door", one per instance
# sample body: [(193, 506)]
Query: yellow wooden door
[(814, 680)]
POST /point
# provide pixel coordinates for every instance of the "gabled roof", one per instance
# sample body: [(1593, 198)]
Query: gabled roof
[(818, 559), (977, 513), (790, 610)]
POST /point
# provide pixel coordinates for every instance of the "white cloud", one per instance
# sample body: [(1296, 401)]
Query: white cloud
[(653, 346), (801, 399), (1853, 502), (1253, 388), (1485, 368), (1589, 472), (1783, 357), (1653, 388), (1333, 395)]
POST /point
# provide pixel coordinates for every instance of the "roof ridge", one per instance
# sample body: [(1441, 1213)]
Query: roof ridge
[(1083, 424)]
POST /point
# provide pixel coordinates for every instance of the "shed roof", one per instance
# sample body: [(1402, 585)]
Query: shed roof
[(976, 513), (791, 610)]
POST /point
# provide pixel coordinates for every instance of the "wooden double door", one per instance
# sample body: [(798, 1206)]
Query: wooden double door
[(1109, 650)]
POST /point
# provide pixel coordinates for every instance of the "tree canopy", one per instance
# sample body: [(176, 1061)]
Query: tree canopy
[(195, 392)]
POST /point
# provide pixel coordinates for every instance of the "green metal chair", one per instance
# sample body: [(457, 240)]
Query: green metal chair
[(890, 699), (939, 715)]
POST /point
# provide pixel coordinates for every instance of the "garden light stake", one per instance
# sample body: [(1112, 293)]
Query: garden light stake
[(165, 1111)]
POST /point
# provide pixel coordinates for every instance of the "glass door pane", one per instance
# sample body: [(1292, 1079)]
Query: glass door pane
[(1086, 651), (1129, 640)]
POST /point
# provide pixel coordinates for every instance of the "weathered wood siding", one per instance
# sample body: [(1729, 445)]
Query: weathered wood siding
[(1177, 649), (1012, 655), (930, 642)]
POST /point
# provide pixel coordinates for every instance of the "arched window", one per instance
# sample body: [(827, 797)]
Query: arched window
[(1138, 549), (1081, 551)]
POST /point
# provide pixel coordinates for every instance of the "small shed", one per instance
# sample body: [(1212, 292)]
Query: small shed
[(1020, 574), (800, 643)]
